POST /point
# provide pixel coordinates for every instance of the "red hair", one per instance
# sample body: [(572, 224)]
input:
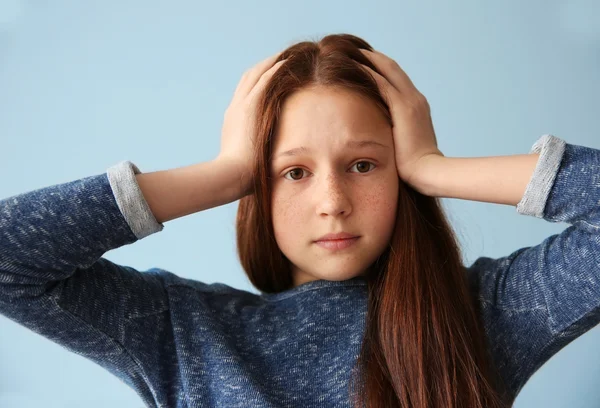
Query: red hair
[(424, 343)]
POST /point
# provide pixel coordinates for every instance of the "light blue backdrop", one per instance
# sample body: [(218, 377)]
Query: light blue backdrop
[(84, 85)]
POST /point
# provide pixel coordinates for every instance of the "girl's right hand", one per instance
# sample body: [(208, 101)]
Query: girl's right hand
[(239, 125)]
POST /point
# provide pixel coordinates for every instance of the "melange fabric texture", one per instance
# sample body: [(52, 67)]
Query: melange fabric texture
[(184, 343)]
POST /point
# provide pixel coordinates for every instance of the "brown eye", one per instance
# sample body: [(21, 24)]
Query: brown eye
[(365, 166), (298, 171)]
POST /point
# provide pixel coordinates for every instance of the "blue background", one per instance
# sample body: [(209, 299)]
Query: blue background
[(85, 85)]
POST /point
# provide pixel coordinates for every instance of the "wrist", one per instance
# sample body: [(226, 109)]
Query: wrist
[(236, 176), (424, 177)]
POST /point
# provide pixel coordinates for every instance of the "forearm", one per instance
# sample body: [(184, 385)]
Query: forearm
[(186, 190), (497, 179)]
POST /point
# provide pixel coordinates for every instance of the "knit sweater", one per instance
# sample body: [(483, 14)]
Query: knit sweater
[(185, 343)]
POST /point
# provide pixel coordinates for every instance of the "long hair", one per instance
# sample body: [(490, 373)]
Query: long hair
[(424, 343)]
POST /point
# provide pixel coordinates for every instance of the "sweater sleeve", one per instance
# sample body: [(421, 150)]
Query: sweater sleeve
[(53, 279), (538, 299)]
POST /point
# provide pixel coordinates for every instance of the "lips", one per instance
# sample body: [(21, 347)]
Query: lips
[(337, 244), (336, 236)]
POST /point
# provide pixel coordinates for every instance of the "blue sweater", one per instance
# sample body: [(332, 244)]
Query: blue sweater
[(183, 343)]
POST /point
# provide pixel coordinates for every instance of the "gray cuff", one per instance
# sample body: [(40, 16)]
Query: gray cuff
[(551, 150), (131, 201)]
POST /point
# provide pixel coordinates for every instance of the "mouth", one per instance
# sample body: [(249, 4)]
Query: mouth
[(337, 244)]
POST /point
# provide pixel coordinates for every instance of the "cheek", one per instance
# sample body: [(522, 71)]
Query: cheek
[(381, 204), (287, 216), (374, 206)]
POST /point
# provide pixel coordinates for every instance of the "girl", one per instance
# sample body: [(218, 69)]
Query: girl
[(363, 298)]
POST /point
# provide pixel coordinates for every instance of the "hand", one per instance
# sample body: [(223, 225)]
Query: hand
[(239, 126), (414, 137)]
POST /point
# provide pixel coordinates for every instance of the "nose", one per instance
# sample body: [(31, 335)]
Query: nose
[(332, 196)]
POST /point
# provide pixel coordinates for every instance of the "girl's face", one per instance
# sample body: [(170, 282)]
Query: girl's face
[(328, 184)]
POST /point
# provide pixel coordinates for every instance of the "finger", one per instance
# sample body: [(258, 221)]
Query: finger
[(386, 89), (392, 71), (264, 79), (251, 77)]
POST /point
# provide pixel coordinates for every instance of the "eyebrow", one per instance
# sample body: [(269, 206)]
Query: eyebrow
[(356, 144)]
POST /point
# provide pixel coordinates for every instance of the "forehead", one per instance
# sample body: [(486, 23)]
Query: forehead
[(326, 114)]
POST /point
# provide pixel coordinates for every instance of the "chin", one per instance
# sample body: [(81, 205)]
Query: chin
[(341, 276)]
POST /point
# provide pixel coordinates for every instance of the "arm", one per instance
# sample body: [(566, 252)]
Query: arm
[(498, 179), (538, 299), (185, 190), (55, 282)]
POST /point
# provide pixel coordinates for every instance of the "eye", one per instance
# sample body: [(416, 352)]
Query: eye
[(292, 171), (364, 161), (298, 171)]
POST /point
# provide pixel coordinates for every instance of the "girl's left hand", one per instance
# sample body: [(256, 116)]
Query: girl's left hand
[(414, 137)]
